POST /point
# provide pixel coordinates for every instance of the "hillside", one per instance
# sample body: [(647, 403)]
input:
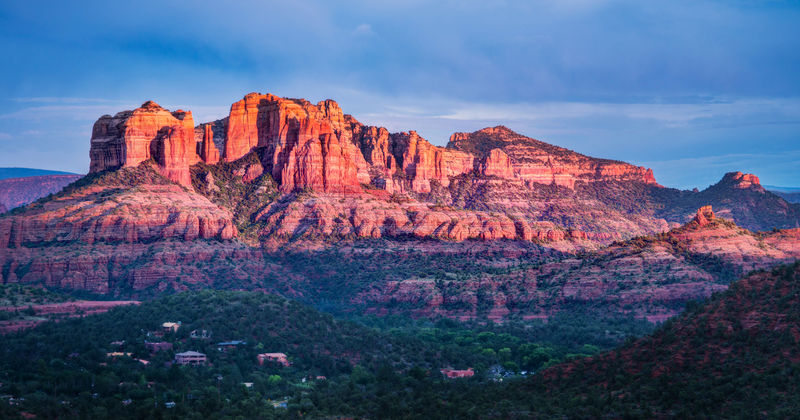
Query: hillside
[(15, 192), (99, 366), (734, 356)]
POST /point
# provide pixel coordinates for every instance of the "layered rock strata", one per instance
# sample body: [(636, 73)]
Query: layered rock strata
[(535, 161), (148, 132)]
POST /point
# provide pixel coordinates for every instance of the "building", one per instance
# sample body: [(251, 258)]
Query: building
[(157, 346), (274, 357), (453, 373), (190, 358), (171, 326)]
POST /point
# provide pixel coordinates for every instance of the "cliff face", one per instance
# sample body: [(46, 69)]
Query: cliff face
[(535, 161), (132, 137), (421, 162), (305, 146)]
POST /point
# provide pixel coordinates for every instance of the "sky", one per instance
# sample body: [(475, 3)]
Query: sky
[(692, 89)]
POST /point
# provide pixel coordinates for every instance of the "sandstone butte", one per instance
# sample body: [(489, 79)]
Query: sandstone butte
[(304, 146)]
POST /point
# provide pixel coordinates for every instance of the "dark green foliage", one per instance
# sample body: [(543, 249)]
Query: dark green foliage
[(385, 367), (224, 185)]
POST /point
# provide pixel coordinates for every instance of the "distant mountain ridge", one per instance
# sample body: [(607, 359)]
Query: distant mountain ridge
[(6, 173), (16, 192), (790, 194)]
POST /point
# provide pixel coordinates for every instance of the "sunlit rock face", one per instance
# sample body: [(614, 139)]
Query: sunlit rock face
[(535, 161), (148, 132), (303, 146)]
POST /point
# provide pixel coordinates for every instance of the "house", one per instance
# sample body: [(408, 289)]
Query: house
[(170, 326), (453, 373), (118, 354), (157, 346), (169, 404), (190, 358), (274, 357), (247, 384)]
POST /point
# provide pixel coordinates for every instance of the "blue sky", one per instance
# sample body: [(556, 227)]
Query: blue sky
[(692, 89)]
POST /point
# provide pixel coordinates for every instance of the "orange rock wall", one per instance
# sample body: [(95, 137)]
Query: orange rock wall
[(132, 137)]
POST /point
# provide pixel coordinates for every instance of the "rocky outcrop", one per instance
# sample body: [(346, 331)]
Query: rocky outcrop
[(704, 216), (148, 132), (534, 161), (421, 162), (750, 332), (304, 146), (351, 216), (208, 150), (16, 192), (741, 181), (497, 163)]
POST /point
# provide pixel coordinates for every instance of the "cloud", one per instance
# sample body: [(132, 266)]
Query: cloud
[(68, 100), (5, 136), (363, 29)]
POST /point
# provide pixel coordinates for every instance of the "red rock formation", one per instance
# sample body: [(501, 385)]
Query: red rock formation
[(208, 151), (376, 148), (539, 162), (116, 214), (704, 215), (320, 215), (132, 137), (421, 162), (305, 146), (497, 163), (742, 181)]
